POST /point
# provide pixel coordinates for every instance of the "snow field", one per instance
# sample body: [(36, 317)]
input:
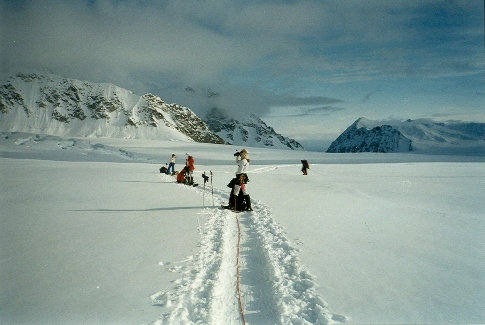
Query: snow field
[(275, 289), (383, 239), (397, 236)]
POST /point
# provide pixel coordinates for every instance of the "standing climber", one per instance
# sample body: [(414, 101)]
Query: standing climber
[(242, 161), (305, 166), (239, 199), (189, 164), (171, 165)]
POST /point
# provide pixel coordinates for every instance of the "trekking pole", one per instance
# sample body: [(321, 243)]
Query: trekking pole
[(212, 190), (203, 195), (206, 178)]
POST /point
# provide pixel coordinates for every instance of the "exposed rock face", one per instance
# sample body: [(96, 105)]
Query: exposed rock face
[(53, 105), (359, 138), (251, 131), (420, 136)]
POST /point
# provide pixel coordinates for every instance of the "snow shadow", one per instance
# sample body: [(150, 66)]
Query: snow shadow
[(140, 210)]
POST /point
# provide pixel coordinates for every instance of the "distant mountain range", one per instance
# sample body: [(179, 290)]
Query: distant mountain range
[(420, 136), (247, 130), (50, 104)]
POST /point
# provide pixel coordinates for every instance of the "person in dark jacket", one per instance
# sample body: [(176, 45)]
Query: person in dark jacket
[(239, 199), (305, 166)]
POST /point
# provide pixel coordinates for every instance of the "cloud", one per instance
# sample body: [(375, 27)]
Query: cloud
[(303, 111), (252, 53), (368, 96), (238, 101), (324, 110), (119, 38), (306, 101)]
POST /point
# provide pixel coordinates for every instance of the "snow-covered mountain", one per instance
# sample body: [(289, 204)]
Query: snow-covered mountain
[(49, 104), (361, 136), (423, 136), (251, 131)]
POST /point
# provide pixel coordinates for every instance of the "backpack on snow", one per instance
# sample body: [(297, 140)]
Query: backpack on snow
[(181, 177)]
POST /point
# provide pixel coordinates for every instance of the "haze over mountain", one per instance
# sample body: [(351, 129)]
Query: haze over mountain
[(251, 131), (239, 128)]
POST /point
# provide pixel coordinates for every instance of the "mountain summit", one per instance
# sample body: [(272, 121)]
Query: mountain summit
[(251, 131), (49, 104), (363, 136), (420, 136)]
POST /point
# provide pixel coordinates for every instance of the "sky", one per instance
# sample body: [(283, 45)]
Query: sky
[(308, 68)]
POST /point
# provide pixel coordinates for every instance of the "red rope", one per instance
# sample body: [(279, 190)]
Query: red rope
[(238, 272)]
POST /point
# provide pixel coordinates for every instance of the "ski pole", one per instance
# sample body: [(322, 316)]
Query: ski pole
[(203, 192), (212, 190), (206, 179)]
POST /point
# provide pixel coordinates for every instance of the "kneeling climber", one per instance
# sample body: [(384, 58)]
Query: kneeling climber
[(239, 199)]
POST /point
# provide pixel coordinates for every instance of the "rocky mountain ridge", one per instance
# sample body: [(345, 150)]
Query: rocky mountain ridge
[(251, 131), (44, 103), (382, 138)]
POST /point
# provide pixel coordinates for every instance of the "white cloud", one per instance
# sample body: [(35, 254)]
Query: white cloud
[(249, 51)]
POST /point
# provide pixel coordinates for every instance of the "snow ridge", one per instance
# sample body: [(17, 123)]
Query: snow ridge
[(275, 288)]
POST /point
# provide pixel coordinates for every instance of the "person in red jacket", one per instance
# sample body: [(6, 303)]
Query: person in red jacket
[(190, 173), (181, 176)]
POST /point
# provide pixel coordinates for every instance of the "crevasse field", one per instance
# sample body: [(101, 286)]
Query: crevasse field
[(92, 233)]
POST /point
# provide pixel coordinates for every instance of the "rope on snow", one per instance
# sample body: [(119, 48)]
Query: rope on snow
[(238, 271)]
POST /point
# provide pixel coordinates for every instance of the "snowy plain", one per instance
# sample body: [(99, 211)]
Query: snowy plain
[(92, 233)]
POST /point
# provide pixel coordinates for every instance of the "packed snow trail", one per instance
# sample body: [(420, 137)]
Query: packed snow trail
[(274, 288)]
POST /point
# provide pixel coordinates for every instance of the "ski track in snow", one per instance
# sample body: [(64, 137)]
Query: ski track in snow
[(275, 288)]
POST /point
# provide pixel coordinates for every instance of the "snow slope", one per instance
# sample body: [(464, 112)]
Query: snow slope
[(50, 104), (93, 234)]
